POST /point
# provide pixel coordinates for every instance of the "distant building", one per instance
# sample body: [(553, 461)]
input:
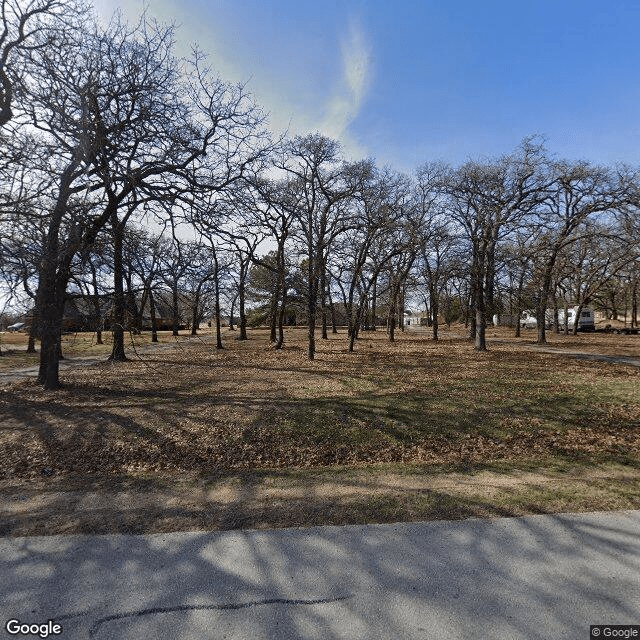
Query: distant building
[(416, 319)]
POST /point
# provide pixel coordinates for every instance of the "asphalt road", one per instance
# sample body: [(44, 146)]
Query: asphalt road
[(537, 577)]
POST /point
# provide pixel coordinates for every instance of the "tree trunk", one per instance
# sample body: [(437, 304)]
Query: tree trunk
[(577, 320), (354, 333), (323, 303), (471, 317), (51, 329), (481, 331), (480, 311), (231, 312), (393, 304), (435, 303), (241, 305), (96, 304), (273, 313), (312, 330), (174, 306), (117, 351), (490, 278), (152, 313), (54, 277), (195, 314), (541, 308), (31, 346), (366, 316), (374, 295), (541, 319), (283, 304), (334, 324), (51, 306), (216, 275)]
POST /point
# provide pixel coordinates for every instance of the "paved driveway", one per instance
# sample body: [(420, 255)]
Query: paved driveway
[(537, 577)]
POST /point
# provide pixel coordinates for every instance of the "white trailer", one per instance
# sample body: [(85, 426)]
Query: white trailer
[(586, 322), (528, 318)]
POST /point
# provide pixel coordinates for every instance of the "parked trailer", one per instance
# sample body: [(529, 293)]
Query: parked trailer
[(586, 322), (528, 319)]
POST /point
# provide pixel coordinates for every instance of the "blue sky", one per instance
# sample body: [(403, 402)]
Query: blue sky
[(415, 81)]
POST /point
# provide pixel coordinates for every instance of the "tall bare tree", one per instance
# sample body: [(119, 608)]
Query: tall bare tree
[(578, 194), (26, 24), (124, 124), (325, 182), (272, 206), (488, 200)]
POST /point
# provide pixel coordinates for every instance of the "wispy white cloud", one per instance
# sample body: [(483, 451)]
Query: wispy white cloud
[(351, 89)]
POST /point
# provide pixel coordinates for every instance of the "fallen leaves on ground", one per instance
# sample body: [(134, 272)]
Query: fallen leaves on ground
[(190, 411)]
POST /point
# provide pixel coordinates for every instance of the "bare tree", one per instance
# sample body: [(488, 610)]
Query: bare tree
[(578, 194), (593, 261), (198, 279), (381, 208), (519, 259), (94, 268), (119, 121), (437, 259), (25, 25), (488, 200), (273, 206), (325, 182), (174, 266), (142, 254), (92, 97)]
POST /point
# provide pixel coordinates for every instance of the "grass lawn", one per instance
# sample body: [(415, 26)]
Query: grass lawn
[(186, 437)]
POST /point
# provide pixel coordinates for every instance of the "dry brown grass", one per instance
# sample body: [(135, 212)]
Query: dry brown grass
[(191, 437)]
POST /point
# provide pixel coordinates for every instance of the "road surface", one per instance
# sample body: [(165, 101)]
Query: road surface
[(535, 578)]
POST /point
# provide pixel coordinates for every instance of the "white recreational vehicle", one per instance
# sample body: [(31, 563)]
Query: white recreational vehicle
[(528, 318), (586, 320)]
